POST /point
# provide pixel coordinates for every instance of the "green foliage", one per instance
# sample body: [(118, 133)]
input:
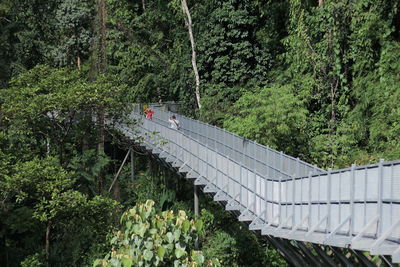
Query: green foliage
[(231, 242), (80, 236), (36, 181), (74, 34), (222, 232), (223, 246), (150, 239), (45, 89), (228, 51), (272, 116), (45, 112), (56, 105), (35, 260), (53, 32), (87, 167), (27, 35), (153, 187), (331, 58), (231, 58), (148, 50), (5, 158), (38, 194), (376, 114), (217, 103), (319, 82)]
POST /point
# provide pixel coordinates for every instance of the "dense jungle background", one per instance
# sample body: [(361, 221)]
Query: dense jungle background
[(316, 79)]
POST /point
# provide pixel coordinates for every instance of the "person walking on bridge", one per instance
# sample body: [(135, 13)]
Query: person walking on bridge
[(174, 123), (149, 113)]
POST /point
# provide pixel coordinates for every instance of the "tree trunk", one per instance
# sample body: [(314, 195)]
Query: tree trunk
[(99, 60), (117, 191), (100, 144), (101, 68), (102, 60), (320, 2), (188, 21), (47, 248), (4, 241), (102, 63), (101, 125), (144, 5), (78, 63)]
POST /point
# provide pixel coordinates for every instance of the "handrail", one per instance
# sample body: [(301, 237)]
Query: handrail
[(162, 116)]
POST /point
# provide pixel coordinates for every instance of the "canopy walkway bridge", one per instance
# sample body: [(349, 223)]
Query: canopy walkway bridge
[(300, 208)]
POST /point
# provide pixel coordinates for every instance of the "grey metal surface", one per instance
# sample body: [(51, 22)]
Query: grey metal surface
[(284, 197)]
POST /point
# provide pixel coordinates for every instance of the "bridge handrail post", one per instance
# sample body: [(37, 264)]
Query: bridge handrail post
[(280, 187), (340, 197), (329, 200), (392, 197), (255, 178), (207, 157), (380, 196), (216, 155), (266, 175), (352, 192), (309, 200), (294, 193), (241, 174), (228, 182)]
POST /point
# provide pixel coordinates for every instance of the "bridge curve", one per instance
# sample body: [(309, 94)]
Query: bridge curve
[(282, 196)]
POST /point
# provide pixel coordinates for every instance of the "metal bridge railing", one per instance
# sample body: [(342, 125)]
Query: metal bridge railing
[(280, 195), (257, 157)]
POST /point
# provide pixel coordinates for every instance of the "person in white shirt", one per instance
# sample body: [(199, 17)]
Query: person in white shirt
[(174, 123)]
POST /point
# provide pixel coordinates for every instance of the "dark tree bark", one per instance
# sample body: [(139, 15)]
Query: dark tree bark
[(47, 246), (102, 64), (102, 58)]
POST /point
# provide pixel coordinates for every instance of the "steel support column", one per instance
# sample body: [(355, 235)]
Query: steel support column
[(132, 166)]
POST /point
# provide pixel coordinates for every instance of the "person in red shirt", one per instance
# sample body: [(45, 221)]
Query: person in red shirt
[(149, 113)]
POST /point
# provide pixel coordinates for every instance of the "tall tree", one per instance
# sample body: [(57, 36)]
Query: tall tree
[(74, 19), (188, 22), (98, 67)]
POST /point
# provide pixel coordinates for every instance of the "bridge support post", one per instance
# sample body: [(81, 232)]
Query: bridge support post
[(196, 208), (132, 166), (119, 170)]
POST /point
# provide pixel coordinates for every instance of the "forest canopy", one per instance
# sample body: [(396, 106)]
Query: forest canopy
[(316, 79)]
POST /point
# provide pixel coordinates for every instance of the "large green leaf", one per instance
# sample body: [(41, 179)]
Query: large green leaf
[(126, 262), (185, 226), (148, 255), (161, 252), (179, 252)]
